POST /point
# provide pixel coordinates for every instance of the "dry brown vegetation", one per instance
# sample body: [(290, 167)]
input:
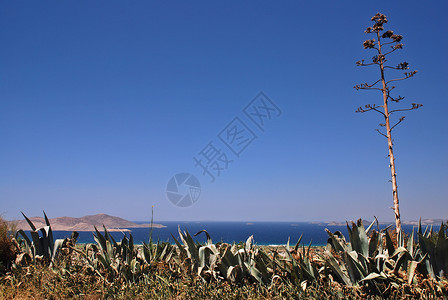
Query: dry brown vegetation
[(7, 249)]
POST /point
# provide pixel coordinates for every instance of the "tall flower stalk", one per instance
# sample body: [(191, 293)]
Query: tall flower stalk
[(385, 44)]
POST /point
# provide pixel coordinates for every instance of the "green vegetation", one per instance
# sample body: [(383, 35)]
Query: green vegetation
[(370, 264)]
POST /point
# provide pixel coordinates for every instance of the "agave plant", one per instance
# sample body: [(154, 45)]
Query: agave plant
[(197, 258), (371, 259), (223, 261), (41, 245), (435, 247), (299, 265), (119, 259), (157, 252)]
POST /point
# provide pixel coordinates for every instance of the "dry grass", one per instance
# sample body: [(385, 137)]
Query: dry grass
[(40, 282)]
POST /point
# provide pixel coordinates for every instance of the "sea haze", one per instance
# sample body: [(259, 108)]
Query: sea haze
[(265, 233)]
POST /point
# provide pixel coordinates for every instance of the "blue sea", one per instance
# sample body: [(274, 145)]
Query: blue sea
[(265, 233)]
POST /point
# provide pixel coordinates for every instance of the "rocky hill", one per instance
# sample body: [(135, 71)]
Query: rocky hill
[(86, 223)]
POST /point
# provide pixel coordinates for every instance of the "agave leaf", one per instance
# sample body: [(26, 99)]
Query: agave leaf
[(110, 250), (380, 242), (428, 247), (146, 253), (229, 258), (428, 266), (36, 243), (45, 243), (182, 250), (402, 260), (295, 272), (209, 239), (410, 245), (131, 243), (167, 258), (164, 251), (335, 242), (419, 230), (441, 252), (49, 233), (134, 265), (105, 261), (249, 243), (124, 250), (33, 228), (308, 249), (57, 246), (202, 253), (372, 276), (25, 237), (192, 251), (358, 238), (254, 272), (307, 270), (398, 251), (109, 237), (339, 270), (270, 262), (234, 273), (373, 243), (355, 270), (100, 239), (46, 219), (262, 268), (411, 271), (298, 243), (389, 244), (371, 224), (401, 242)]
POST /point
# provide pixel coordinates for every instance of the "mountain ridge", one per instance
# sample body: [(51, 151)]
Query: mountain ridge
[(85, 223)]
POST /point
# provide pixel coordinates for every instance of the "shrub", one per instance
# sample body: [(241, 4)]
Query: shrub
[(7, 251)]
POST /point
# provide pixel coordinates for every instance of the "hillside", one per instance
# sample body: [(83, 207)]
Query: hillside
[(86, 223)]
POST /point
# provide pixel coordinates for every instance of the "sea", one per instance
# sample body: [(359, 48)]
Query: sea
[(264, 233)]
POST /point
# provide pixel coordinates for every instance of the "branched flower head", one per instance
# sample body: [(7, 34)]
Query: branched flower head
[(410, 74), (388, 34), (403, 66), (377, 27), (398, 46), (379, 19), (377, 58), (396, 38), (369, 44)]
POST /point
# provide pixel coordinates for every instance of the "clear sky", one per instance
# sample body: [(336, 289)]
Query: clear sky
[(102, 102)]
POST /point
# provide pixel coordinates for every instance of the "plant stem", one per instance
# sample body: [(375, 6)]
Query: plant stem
[(396, 207)]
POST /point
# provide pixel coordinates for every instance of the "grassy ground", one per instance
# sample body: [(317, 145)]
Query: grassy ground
[(43, 282), (37, 282)]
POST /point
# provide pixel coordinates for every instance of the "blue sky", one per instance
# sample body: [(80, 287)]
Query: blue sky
[(102, 102)]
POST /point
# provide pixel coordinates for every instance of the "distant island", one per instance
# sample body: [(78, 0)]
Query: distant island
[(86, 223), (424, 222)]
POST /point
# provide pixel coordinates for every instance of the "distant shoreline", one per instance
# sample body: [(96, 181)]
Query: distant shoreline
[(86, 223), (117, 224)]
